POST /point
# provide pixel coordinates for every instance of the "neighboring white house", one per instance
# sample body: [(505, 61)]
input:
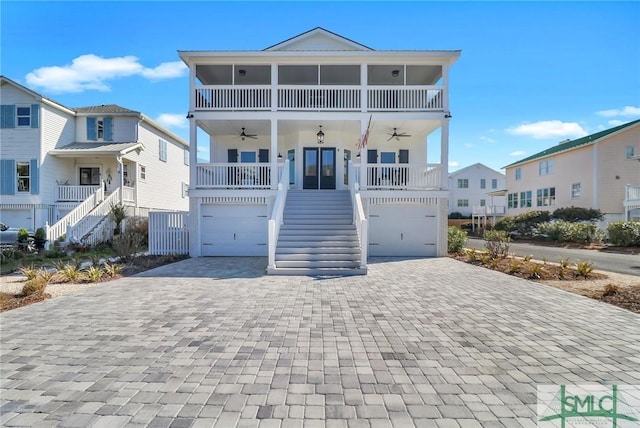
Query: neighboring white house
[(290, 117), (600, 171), (57, 161), (471, 188)]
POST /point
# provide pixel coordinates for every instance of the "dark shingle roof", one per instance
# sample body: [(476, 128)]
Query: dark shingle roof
[(105, 108), (572, 144)]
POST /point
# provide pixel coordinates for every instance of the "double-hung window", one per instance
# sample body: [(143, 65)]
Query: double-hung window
[(162, 149), (463, 183), (483, 183), (545, 167), (494, 183), (512, 200), (23, 116), (518, 174), (576, 190), (546, 197), (23, 170), (526, 199)]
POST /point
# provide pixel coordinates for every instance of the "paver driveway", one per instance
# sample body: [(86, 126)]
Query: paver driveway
[(212, 341)]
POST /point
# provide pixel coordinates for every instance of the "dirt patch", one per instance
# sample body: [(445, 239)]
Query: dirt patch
[(10, 301)]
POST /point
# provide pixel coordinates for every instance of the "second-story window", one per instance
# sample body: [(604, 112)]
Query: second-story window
[(518, 174), (545, 167), (99, 128), (23, 116), (629, 152), (494, 183), (463, 183), (483, 183), (162, 149)]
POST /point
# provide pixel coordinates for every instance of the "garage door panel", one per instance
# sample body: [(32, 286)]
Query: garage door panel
[(17, 218), (402, 231), (234, 230)]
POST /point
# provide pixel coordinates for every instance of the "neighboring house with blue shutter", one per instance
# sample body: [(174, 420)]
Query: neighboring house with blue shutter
[(56, 160)]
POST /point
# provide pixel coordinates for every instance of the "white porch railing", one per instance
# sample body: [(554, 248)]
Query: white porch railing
[(67, 193), (405, 98), (168, 232), (92, 219), (128, 195), (73, 217), (333, 98), (632, 195), (277, 214), (235, 175), (489, 210), (233, 97), (359, 218), (401, 176)]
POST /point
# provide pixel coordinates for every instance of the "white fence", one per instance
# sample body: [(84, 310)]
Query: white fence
[(168, 232)]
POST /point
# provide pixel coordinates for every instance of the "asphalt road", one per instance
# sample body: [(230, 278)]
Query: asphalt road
[(606, 261)]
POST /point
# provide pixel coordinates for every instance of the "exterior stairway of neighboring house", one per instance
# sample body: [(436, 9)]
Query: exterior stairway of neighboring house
[(318, 236)]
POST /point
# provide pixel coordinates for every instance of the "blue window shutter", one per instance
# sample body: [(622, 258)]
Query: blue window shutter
[(7, 116), (92, 129), (35, 177), (35, 115), (108, 128), (8, 176)]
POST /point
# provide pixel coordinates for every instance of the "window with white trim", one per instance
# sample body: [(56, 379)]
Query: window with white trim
[(483, 202), (494, 183), (463, 183), (162, 150), (463, 202), (526, 199), (630, 152), (483, 183), (143, 173), (545, 167), (576, 189), (100, 129), (23, 116), (546, 197), (23, 171), (512, 200), (518, 174)]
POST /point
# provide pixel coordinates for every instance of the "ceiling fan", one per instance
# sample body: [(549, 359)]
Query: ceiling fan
[(244, 135), (397, 135)]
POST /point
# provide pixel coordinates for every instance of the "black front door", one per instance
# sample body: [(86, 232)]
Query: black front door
[(319, 168)]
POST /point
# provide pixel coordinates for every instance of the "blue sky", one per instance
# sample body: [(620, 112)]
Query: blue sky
[(530, 75)]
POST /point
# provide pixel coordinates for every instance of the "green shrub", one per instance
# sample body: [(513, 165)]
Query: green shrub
[(94, 273), (456, 215), (497, 243), (456, 239), (624, 233), (564, 231), (32, 286), (584, 267), (23, 235), (40, 233), (523, 224), (30, 272), (575, 214)]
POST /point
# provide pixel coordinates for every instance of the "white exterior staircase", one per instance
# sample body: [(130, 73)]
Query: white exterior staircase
[(318, 236)]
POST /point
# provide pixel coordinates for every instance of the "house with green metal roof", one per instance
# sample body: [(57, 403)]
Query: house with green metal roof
[(600, 171)]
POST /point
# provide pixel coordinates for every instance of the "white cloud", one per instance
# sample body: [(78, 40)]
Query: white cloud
[(518, 153), (487, 139), (91, 72), (549, 129), (615, 122), (170, 120), (626, 111), (468, 145), (454, 163)]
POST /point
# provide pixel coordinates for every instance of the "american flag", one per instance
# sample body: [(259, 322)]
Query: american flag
[(362, 141)]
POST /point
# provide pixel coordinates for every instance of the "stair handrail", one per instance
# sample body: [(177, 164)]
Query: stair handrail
[(277, 215), (82, 228), (75, 215), (359, 218)]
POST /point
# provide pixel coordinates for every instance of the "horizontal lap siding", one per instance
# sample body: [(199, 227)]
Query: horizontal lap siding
[(58, 130)]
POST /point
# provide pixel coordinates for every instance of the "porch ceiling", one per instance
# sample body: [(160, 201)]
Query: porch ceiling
[(418, 129)]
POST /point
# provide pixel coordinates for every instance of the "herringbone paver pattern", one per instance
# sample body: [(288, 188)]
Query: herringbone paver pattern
[(213, 342)]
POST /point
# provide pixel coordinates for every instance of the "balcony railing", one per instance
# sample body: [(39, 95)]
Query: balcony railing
[(68, 193), (401, 176), (632, 196), (489, 210), (236, 175), (323, 98), (128, 195)]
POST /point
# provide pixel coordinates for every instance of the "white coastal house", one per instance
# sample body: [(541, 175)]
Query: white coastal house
[(476, 189), (600, 171), (286, 177), (63, 168)]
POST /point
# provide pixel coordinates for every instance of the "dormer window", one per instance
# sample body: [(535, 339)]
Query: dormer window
[(99, 128)]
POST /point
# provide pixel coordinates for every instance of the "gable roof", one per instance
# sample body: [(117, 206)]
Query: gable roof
[(320, 34), (105, 108), (573, 144), (477, 164), (36, 95)]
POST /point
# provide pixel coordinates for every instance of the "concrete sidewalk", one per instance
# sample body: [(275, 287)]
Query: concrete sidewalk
[(214, 342)]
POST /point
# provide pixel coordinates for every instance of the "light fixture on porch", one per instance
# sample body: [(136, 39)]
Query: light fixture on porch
[(395, 73), (320, 135), (279, 156), (447, 115), (242, 72)]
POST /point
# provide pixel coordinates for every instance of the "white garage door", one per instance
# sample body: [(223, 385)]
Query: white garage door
[(17, 218), (234, 230), (402, 230)]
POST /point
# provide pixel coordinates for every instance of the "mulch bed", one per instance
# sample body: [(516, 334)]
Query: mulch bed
[(13, 301), (628, 298)]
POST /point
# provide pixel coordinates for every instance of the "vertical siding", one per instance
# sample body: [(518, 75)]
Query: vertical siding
[(612, 164)]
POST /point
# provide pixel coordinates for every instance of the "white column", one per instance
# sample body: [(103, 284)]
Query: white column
[(193, 151), (274, 87), (363, 87), (445, 86), (274, 154), (363, 155), (444, 153), (192, 95)]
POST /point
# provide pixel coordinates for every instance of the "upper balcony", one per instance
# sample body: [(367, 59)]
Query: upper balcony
[(337, 88)]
